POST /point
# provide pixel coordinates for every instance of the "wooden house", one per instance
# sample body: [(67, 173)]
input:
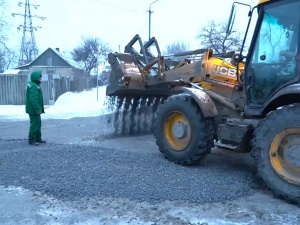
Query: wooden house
[(60, 74)]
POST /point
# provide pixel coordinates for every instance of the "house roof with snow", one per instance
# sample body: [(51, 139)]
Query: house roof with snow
[(12, 71), (51, 58)]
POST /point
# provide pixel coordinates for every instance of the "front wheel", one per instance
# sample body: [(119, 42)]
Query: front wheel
[(182, 134), (276, 151)]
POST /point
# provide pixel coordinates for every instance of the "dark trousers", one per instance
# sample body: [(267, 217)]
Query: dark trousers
[(35, 128)]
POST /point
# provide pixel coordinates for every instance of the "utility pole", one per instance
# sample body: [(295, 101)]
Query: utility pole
[(28, 51), (150, 12), (98, 56)]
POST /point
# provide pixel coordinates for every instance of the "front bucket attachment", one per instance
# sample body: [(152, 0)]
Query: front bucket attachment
[(125, 76)]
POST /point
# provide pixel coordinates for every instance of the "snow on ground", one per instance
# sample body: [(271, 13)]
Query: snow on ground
[(67, 106)]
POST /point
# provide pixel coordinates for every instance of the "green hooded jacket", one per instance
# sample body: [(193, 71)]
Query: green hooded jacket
[(34, 95)]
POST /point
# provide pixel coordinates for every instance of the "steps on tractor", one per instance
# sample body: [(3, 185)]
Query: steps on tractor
[(236, 134)]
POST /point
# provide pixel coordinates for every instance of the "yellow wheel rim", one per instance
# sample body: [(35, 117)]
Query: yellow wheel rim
[(285, 155), (177, 131)]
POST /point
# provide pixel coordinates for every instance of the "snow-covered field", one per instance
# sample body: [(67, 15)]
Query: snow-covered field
[(68, 105)]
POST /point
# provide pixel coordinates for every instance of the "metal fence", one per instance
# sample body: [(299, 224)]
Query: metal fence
[(13, 87)]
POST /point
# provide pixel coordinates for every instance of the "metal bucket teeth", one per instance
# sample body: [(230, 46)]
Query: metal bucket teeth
[(133, 115)]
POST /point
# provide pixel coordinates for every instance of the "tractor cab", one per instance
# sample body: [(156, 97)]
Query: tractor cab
[(273, 57)]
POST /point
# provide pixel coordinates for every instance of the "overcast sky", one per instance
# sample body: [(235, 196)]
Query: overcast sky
[(117, 21)]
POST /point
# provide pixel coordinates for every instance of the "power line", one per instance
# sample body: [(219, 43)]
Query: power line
[(137, 32), (28, 51), (143, 26), (118, 7)]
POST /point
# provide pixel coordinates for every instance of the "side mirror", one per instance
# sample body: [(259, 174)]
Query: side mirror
[(231, 20)]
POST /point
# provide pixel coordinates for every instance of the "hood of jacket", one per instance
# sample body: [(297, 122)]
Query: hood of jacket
[(35, 76)]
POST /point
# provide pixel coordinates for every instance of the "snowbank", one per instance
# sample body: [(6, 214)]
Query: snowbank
[(68, 105)]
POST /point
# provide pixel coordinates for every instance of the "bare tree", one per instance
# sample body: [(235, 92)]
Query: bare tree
[(28, 52), (91, 51), (214, 36), (3, 24), (273, 34), (4, 50), (8, 59), (2, 61), (176, 47)]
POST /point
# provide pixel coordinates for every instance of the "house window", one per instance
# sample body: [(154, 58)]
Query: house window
[(49, 60)]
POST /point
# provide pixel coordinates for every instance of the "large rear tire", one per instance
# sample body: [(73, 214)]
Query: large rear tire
[(276, 151), (182, 134)]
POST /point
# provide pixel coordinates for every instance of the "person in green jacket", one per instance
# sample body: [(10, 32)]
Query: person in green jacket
[(35, 107)]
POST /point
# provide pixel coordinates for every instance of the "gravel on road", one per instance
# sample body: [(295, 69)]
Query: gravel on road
[(70, 172), (87, 175)]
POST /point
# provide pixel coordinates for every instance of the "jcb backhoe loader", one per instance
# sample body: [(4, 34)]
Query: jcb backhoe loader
[(247, 104)]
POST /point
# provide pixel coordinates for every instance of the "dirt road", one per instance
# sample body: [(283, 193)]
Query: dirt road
[(85, 175)]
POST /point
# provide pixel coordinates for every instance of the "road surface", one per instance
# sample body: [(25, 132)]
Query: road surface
[(86, 175)]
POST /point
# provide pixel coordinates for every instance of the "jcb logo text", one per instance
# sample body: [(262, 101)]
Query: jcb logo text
[(225, 71)]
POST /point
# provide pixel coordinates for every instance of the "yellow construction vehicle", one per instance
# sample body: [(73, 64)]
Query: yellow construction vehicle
[(246, 103)]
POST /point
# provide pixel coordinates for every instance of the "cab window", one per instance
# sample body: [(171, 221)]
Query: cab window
[(273, 63)]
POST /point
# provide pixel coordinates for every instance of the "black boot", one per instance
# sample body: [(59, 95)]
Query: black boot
[(33, 143), (41, 141)]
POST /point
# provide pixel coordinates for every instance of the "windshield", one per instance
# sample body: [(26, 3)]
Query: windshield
[(275, 37), (272, 64)]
